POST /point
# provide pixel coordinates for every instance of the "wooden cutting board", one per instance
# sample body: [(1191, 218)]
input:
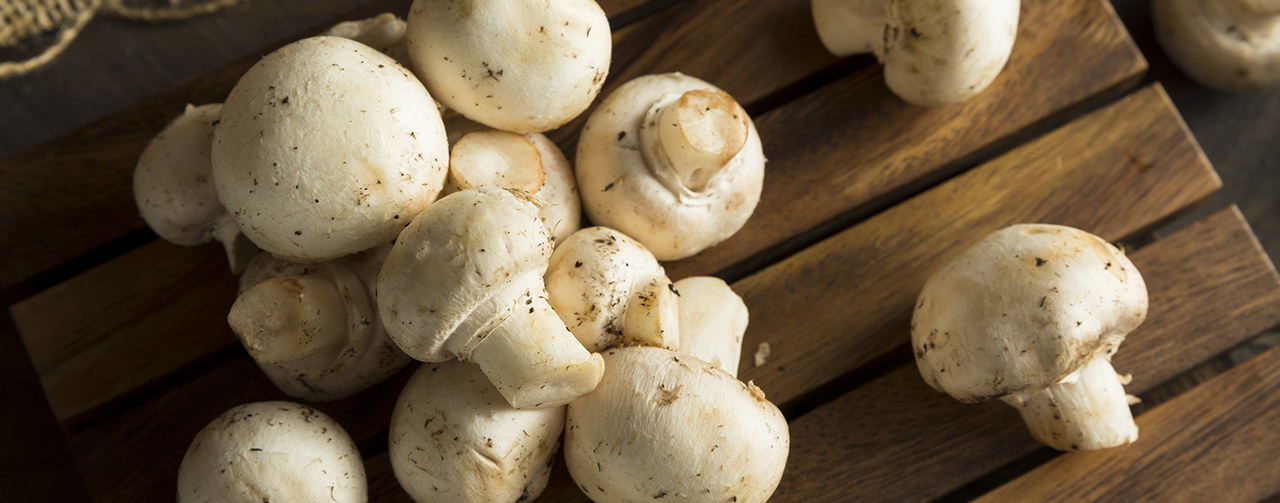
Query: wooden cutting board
[(863, 196)]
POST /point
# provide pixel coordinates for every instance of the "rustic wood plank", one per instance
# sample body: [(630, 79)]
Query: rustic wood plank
[(115, 329), (847, 300), (73, 195), (77, 339), (863, 146), (1217, 442), (895, 439)]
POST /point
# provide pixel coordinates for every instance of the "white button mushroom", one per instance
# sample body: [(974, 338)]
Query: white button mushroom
[(327, 147), (609, 290), (314, 328), (525, 67), (935, 52), (673, 162), (1031, 314), (384, 32), (173, 187), (663, 425), (464, 279), (1232, 45), (272, 451), (528, 162), (454, 438), (713, 320)]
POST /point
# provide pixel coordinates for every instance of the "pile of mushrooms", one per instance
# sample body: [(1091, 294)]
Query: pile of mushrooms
[(935, 52), (1032, 314)]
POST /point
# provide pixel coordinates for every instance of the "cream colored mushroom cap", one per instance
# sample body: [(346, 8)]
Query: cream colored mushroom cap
[(172, 183), (619, 188), (938, 52), (1022, 309), (590, 279), (454, 438), (272, 451), (446, 267), (1220, 43), (665, 426), (327, 147), (524, 67)]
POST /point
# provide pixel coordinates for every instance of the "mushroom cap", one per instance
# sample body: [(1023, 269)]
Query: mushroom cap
[(620, 190), (1022, 309), (1220, 44), (455, 438), (272, 451), (590, 281), (663, 423), (327, 147), (365, 354), (524, 67), (713, 320), (172, 183), (938, 52), (449, 271)]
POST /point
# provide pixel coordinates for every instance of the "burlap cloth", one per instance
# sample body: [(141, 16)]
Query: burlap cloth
[(49, 26)]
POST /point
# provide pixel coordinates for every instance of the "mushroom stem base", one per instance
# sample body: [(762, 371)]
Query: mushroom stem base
[(1086, 411), (535, 361)]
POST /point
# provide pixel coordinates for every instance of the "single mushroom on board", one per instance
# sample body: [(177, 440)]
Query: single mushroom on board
[(524, 67), (529, 162), (272, 451), (713, 320), (1032, 314), (314, 329), (662, 425), (935, 52), (173, 187), (673, 162), (1230, 45), (454, 438), (609, 290), (327, 147), (464, 279)]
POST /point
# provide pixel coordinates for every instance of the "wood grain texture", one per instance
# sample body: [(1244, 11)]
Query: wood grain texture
[(1113, 172), (73, 195), (862, 145), (114, 329), (1217, 442), (896, 439)]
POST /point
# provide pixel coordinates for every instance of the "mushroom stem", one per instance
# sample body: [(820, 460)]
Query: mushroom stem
[(653, 315), (239, 249), (848, 27), (531, 357), (290, 318), (1267, 7), (690, 138), (1088, 410)]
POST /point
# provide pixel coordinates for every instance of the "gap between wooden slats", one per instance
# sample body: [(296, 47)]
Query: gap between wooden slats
[(1098, 182), (801, 160), (896, 439)]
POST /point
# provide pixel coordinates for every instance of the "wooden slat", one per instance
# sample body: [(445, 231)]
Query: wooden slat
[(895, 439), (652, 44), (839, 304), (861, 145), (73, 195), (115, 329), (1217, 442)]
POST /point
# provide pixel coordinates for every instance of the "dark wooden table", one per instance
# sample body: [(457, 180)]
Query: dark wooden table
[(116, 64)]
